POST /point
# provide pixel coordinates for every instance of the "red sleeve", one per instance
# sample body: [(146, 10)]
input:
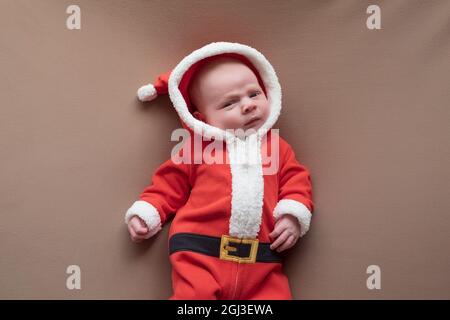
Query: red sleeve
[(294, 178), (295, 196), (169, 189)]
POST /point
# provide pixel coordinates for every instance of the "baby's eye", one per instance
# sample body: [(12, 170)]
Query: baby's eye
[(254, 94), (228, 104)]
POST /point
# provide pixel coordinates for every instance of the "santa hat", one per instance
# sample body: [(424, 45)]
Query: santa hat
[(150, 91), (176, 83)]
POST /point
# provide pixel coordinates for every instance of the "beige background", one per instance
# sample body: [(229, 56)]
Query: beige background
[(366, 110)]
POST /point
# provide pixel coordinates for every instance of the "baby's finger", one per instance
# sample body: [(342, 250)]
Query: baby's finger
[(142, 231), (276, 231), (131, 230), (142, 222), (137, 238), (138, 228), (281, 238), (287, 244), (134, 236), (148, 235)]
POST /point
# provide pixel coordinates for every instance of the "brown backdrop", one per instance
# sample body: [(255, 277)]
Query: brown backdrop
[(366, 110)]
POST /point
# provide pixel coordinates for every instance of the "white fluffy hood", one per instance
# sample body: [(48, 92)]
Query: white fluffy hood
[(261, 64)]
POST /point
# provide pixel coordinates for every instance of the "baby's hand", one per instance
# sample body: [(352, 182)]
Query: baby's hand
[(138, 229), (286, 232)]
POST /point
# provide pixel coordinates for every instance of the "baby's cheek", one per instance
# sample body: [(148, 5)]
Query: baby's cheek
[(266, 111), (232, 120)]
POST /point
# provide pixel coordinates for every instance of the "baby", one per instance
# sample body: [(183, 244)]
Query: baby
[(231, 220)]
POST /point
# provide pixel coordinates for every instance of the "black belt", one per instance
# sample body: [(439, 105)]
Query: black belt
[(226, 247)]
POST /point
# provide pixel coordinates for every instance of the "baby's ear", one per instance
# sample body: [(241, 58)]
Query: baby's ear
[(199, 116)]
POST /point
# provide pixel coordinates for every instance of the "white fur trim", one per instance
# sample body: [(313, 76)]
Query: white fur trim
[(261, 64), (247, 186), (147, 93), (146, 212), (297, 209)]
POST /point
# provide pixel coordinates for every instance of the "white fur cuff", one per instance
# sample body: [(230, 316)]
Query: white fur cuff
[(146, 212), (297, 209)]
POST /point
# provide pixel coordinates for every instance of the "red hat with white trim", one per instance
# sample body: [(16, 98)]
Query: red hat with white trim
[(150, 91), (176, 83)]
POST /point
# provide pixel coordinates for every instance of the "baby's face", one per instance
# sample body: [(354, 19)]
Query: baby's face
[(227, 95)]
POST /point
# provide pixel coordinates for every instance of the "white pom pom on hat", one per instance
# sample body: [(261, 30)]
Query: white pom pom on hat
[(147, 93), (150, 91)]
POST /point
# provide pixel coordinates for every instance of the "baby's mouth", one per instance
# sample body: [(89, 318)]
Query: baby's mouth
[(251, 122)]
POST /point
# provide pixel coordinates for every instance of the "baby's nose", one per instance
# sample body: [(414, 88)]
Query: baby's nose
[(248, 107)]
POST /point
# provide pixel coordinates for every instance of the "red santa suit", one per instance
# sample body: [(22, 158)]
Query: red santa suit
[(224, 212)]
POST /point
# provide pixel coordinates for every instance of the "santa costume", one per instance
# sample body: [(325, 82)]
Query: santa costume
[(223, 213)]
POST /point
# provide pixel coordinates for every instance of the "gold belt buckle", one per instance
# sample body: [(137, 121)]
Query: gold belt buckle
[(226, 247)]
